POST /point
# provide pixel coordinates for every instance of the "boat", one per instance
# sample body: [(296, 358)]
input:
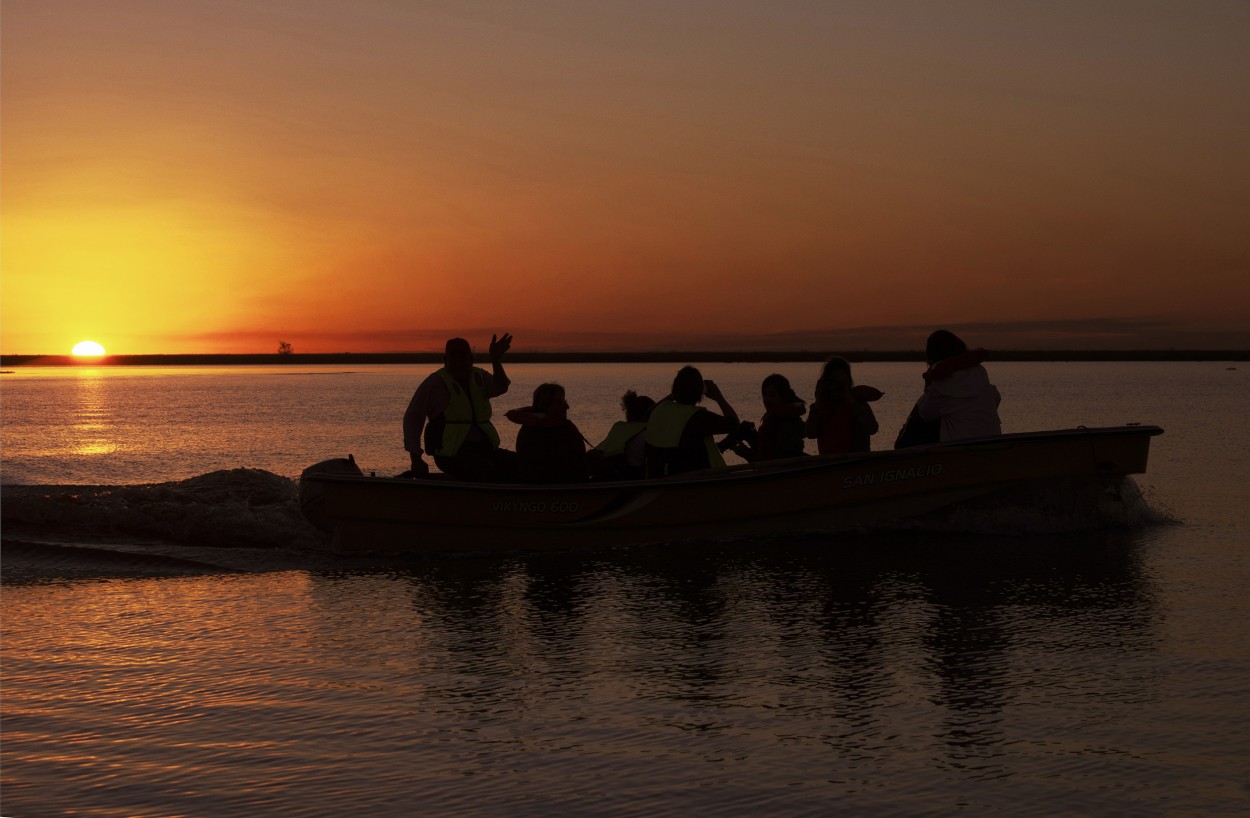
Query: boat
[(368, 514)]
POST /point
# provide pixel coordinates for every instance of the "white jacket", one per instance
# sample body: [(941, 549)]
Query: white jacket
[(966, 402)]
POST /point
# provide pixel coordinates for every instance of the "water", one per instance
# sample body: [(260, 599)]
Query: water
[(147, 424), (904, 672)]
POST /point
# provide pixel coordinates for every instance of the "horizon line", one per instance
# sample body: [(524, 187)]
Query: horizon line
[(667, 356)]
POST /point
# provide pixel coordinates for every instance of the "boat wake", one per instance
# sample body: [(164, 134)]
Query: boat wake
[(233, 508), (237, 519), (1044, 508)]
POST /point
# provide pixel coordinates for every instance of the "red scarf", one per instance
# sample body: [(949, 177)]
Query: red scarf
[(526, 416), (953, 364)]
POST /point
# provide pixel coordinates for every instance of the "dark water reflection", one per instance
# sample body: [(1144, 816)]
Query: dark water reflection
[(899, 675), (887, 667)]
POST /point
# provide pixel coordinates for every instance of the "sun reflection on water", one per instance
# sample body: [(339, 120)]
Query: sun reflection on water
[(92, 416)]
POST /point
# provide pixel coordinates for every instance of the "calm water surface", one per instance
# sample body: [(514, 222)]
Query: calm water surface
[(905, 672)]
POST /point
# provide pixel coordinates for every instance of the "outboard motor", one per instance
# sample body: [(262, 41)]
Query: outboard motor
[(311, 493)]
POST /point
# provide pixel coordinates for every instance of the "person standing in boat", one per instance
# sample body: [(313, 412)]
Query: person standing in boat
[(680, 432), (958, 395), (452, 407), (841, 421), (623, 453), (550, 447)]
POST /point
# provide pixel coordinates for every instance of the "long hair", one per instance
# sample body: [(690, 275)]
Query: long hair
[(836, 365), (834, 386), (637, 407)]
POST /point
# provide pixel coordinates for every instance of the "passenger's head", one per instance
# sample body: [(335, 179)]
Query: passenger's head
[(688, 385), (941, 345), (776, 389), (458, 357), (637, 407), (549, 397), (837, 367), (834, 385)]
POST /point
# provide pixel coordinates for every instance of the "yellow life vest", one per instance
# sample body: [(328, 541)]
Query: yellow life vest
[(619, 435), (668, 421), (464, 412)]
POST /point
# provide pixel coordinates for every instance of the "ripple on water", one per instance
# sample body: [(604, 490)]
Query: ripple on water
[(886, 678)]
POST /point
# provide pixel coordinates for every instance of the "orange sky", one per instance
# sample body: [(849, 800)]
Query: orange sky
[(373, 176)]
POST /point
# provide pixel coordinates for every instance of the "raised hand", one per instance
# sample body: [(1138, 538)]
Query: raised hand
[(498, 346)]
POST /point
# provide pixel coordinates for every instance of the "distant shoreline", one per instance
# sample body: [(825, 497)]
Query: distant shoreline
[(854, 356)]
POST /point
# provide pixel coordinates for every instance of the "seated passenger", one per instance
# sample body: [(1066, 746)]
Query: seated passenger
[(841, 421), (549, 445), (452, 408), (958, 395), (679, 433), (623, 453), (781, 430)]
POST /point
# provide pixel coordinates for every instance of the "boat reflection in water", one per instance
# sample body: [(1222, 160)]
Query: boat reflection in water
[(910, 658), (898, 673)]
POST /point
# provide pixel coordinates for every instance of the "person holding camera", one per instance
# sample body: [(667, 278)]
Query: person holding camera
[(681, 434)]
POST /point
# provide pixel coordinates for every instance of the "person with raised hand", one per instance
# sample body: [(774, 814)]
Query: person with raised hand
[(452, 408)]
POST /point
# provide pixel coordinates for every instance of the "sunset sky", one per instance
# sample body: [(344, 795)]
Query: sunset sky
[(362, 176)]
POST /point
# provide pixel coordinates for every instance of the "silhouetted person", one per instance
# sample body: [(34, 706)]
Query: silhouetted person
[(680, 432), (781, 431), (841, 420), (452, 406), (959, 402), (550, 446), (623, 453)]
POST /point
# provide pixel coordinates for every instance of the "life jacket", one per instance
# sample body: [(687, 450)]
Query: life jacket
[(619, 436), (781, 431), (838, 435), (781, 436), (835, 435), (464, 411), (526, 416), (664, 432)]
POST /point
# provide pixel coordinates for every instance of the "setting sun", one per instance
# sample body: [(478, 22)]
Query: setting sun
[(88, 349)]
